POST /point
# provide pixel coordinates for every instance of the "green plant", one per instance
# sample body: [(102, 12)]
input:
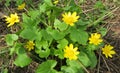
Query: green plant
[(18, 2), (48, 31)]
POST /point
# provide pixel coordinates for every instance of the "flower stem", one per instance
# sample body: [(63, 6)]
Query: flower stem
[(83, 66)]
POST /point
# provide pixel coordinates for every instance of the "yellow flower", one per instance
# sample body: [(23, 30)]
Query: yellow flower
[(29, 45), (95, 39), (56, 2), (12, 19), (107, 51), (69, 18), (21, 7), (70, 52)]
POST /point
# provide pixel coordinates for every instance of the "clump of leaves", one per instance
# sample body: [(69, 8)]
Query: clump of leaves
[(49, 30)]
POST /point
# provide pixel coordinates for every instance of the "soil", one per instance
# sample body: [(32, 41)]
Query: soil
[(110, 65)]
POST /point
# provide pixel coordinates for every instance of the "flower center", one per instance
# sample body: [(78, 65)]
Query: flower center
[(71, 53), (70, 19), (107, 51), (13, 19)]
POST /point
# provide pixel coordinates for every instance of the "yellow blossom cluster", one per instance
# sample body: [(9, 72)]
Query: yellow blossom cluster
[(95, 39), (12, 19), (69, 18), (56, 2), (107, 51), (29, 45), (70, 52), (21, 7)]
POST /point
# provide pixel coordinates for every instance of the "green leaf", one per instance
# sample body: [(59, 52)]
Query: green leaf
[(61, 26), (47, 67), (25, 18), (73, 63), (84, 59), (42, 7), (30, 21), (92, 58), (99, 5), (66, 69), (29, 33), (22, 60), (103, 31), (45, 6), (33, 13), (15, 48), (43, 53), (7, 3), (5, 70), (62, 43), (20, 49), (59, 53), (67, 8), (11, 38), (46, 35), (12, 50), (29, 2), (56, 11), (73, 67), (79, 36), (92, 47), (19, 2), (57, 35), (42, 48), (75, 7), (39, 36), (82, 22), (48, 2)]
